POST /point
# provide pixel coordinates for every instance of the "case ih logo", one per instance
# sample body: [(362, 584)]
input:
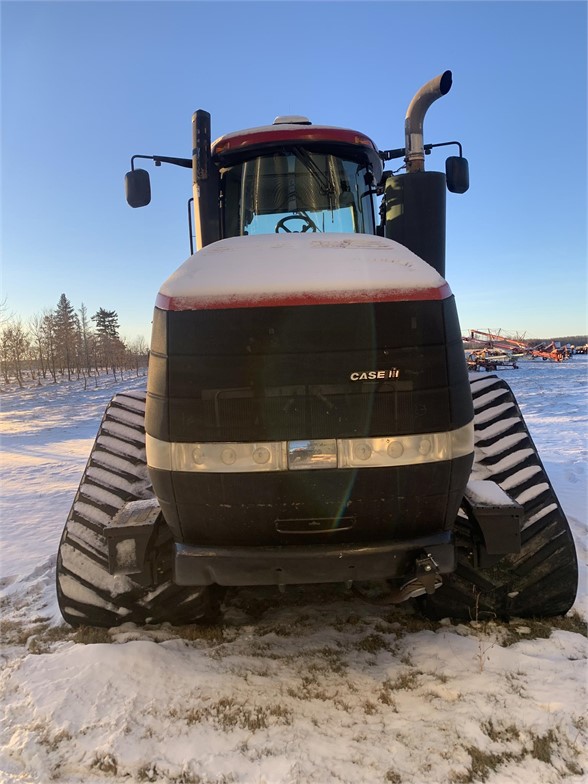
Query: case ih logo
[(374, 375)]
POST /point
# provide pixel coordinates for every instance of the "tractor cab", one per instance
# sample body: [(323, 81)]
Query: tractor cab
[(295, 177)]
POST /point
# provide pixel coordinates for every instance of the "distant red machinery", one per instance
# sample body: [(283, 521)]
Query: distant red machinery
[(546, 351)]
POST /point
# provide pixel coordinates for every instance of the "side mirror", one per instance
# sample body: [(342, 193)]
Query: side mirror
[(137, 188), (457, 172)]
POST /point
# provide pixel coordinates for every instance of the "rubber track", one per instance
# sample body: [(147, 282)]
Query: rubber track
[(542, 579), (116, 473)]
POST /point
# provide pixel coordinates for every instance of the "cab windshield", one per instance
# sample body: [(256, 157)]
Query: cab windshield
[(295, 190)]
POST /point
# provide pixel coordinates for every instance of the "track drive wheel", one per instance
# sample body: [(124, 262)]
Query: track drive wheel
[(540, 580), (116, 473)]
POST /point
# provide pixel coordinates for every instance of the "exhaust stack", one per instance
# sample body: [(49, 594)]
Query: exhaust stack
[(415, 116)]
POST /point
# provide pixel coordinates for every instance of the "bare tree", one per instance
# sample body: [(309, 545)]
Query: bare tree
[(50, 340), (38, 340), (5, 355), (138, 354), (4, 314), (86, 338), (15, 345)]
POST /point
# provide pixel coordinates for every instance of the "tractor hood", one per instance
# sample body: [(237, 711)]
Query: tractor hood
[(300, 269)]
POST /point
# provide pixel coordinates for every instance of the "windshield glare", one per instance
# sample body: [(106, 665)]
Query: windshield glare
[(296, 190)]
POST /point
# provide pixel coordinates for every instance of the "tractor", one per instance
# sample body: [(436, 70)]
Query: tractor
[(308, 416)]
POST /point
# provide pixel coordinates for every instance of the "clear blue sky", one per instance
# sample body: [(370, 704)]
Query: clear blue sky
[(87, 84)]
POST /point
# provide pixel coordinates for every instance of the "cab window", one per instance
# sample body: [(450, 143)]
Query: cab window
[(296, 190)]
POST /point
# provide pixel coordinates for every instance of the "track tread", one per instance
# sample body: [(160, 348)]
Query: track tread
[(116, 473), (540, 580)]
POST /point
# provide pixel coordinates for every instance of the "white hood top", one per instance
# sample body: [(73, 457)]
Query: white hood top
[(270, 270)]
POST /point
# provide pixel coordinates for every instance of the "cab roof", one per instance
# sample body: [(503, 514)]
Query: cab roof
[(290, 129)]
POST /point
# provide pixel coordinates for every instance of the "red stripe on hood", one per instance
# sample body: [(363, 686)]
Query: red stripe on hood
[(295, 299)]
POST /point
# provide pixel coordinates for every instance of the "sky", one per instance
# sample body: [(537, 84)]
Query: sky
[(85, 85)]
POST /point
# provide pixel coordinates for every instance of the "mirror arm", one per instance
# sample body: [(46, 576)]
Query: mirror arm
[(389, 155), (186, 163), (429, 147)]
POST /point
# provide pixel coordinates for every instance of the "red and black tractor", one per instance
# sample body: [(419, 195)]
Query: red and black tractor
[(308, 416)]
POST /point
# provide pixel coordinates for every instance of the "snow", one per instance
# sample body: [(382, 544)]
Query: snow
[(293, 125), (338, 267), (482, 491), (315, 685)]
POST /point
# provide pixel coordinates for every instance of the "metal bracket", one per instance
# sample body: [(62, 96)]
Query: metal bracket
[(496, 519), (128, 536), (427, 572)]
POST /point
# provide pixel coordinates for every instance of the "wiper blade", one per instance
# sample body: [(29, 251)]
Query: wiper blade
[(322, 178)]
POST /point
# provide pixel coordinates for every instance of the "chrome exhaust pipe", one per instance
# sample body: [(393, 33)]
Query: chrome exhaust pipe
[(415, 116)]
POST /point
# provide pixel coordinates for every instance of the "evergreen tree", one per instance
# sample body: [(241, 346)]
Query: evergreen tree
[(106, 323), (111, 347), (66, 326)]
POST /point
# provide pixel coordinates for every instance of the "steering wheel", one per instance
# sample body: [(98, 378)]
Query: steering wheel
[(308, 224)]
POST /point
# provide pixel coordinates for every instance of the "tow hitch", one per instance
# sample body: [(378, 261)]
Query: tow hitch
[(427, 573), (427, 579)]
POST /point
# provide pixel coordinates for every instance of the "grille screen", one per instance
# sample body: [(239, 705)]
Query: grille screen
[(287, 373), (226, 416)]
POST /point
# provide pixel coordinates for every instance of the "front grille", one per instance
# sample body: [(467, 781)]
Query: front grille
[(206, 386), (274, 418)]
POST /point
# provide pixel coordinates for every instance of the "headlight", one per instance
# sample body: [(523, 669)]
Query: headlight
[(312, 453)]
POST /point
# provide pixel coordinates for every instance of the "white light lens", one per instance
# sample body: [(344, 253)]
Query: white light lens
[(406, 450), (219, 457), (425, 446), (228, 456), (362, 451), (395, 449), (313, 453), (261, 455), (462, 440)]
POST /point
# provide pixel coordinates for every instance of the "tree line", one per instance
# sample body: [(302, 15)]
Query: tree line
[(67, 343)]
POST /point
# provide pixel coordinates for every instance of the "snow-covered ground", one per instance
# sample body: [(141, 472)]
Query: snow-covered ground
[(305, 686)]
